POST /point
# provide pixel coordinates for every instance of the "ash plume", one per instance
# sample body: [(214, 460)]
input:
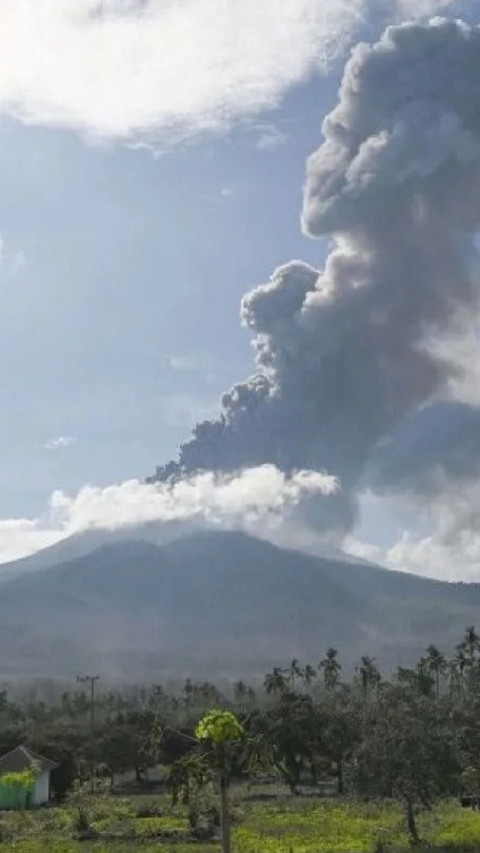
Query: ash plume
[(346, 357)]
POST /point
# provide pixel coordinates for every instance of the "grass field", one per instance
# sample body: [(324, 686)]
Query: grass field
[(265, 821)]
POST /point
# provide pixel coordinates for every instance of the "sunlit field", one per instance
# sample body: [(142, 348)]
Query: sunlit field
[(266, 820)]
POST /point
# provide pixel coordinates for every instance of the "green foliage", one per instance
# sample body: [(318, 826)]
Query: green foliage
[(407, 743), (470, 780), (220, 727), (24, 780)]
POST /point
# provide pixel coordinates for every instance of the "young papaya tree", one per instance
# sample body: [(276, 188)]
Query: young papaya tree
[(218, 737), (221, 731)]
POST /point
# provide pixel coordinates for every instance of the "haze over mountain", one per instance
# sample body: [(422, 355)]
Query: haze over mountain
[(217, 604)]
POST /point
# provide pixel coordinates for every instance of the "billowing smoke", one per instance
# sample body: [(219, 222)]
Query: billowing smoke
[(255, 500), (350, 370)]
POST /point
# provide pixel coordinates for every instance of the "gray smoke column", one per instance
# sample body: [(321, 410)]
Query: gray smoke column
[(345, 356)]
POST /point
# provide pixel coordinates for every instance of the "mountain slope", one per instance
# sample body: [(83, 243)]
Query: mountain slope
[(217, 604)]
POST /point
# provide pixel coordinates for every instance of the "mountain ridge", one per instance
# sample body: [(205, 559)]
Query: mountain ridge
[(218, 604)]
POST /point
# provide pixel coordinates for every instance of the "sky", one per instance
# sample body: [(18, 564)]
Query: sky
[(152, 171)]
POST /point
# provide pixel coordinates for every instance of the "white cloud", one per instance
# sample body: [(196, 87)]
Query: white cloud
[(440, 540), (451, 549), (59, 442), (182, 363), (22, 536), (248, 499), (270, 138), (363, 550), (169, 68), (11, 260), (181, 66)]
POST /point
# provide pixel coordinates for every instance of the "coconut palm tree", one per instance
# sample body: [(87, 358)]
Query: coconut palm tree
[(369, 675), (454, 677), (240, 692), (471, 643), (458, 666), (437, 665), (309, 674), (296, 672), (331, 669), (276, 681)]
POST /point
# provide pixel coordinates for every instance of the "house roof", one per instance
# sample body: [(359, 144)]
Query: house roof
[(21, 758)]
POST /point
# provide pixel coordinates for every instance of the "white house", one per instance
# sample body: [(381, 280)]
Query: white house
[(21, 758)]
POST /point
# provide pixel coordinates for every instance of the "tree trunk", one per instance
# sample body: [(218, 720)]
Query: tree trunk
[(224, 816), (339, 776), (293, 777), (412, 826)]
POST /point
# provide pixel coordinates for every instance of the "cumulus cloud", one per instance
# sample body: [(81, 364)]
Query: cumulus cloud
[(252, 499), (141, 68), (59, 442), (20, 537), (178, 67), (451, 548)]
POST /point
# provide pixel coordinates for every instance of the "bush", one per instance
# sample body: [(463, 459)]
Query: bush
[(81, 822)]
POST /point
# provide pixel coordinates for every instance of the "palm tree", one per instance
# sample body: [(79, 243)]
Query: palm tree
[(407, 677), (458, 665), (471, 643), (331, 669), (454, 679), (470, 646), (424, 678), (295, 672), (436, 664), (309, 673), (276, 681), (369, 674), (239, 692), (188, 691), (243, 695)]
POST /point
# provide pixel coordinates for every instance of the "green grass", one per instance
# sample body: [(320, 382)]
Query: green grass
[(319, 828), (281, 825)]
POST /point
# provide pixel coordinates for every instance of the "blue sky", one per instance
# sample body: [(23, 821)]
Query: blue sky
[(149, 177), (122, 280)]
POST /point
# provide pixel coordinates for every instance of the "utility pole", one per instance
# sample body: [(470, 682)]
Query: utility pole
[(92, 680)]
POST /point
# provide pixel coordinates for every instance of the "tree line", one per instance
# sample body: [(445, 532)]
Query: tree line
[(412, 736)]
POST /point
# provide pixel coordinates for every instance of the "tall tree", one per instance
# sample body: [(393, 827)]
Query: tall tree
[(331, 669), (408, 752), (458, 666), (277, 681), (437, 665), (221, 730), (369, 676), (339, 726), (471, 643)]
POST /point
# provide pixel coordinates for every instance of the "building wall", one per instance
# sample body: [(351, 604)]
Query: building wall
[(41, 794), (12, 797)]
